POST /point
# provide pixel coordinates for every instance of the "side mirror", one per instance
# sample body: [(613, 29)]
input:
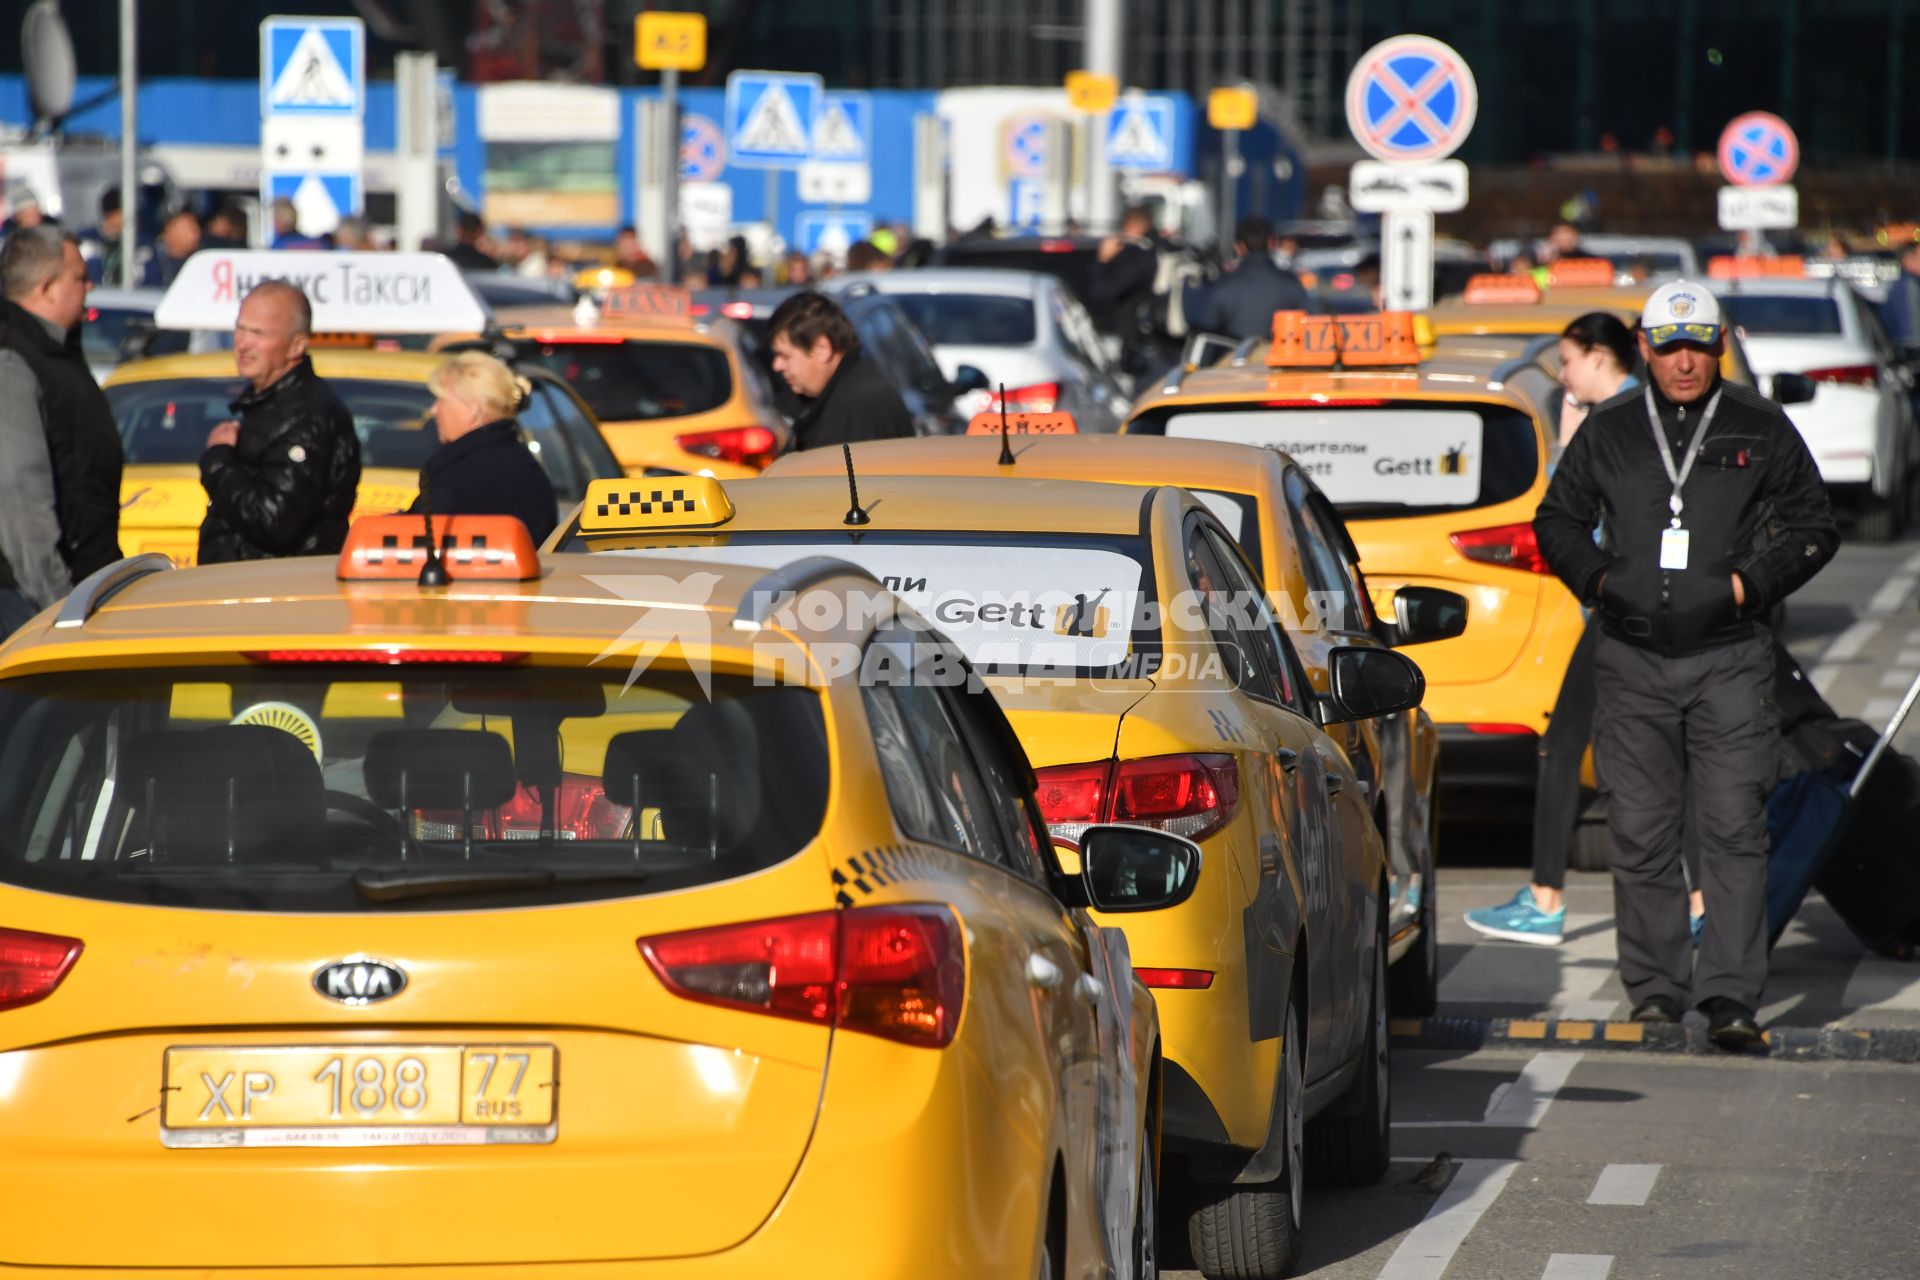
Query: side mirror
[(1792, 388), (969, 379), (1370, 682), (1136, 868), (1422, 615)]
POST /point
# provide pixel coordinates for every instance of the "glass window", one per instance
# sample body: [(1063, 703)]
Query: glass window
[(637, 381), (1019, 821), (1759, 313), (970, 319), (167, 421), (1220, 597), (958, 790), (1252, 622), (1325, 565), (592, 455), (540, 430), (908, 791)]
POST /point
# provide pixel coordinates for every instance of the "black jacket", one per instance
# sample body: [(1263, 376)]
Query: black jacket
[(489, 472), (288, 487), (857, 404), (1241, 303), (83, 443), (1754, 505)]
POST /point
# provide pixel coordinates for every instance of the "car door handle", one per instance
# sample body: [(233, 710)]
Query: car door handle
[(1289, 758), (1042, 972)]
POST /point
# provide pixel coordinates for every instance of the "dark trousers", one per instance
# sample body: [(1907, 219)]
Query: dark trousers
[(15, 611), (1675, 738)]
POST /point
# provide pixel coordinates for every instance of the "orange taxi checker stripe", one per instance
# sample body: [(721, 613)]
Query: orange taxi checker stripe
[(1309, 341), (990, 423), (395, 547), (648, 301), (1495, 290), (1580, 273), (1749, 266)]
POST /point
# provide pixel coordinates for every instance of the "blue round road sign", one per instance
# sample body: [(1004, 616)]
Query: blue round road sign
[(1027, 146), (703, 151), (1411, 99), (1758, 149)]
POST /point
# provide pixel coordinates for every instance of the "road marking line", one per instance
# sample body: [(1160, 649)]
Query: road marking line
[(1624, 1184), (1909, 658), (1892, 597), (1879, 711), (1845, 648), (1429, 1247), (1912, 565), (1524, 1104), (1578, 1266), (1897, 678)]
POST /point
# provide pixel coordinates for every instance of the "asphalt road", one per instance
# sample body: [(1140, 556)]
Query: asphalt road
[(1612, 1165)]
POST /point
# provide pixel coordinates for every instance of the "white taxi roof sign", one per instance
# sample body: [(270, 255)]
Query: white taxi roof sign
[(376, 293)]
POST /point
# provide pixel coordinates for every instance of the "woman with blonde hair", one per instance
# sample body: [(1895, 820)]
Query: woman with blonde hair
[(481, 467)]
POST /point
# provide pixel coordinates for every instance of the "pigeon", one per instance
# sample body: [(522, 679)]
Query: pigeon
[(1434, 1175)]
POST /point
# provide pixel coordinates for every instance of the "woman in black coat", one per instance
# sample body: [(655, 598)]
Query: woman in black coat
[(481, 467)]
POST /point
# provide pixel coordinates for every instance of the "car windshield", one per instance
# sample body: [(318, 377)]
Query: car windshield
[(319, 788), (1382, 460), (167, 420), (1066, 261), (1765, 314), (631, 381), (1031, 603), (970, 319)]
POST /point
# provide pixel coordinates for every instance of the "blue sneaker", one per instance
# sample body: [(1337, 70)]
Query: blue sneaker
[(1520, 921)]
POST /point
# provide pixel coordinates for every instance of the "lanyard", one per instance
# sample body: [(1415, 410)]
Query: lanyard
[(1678, 475)]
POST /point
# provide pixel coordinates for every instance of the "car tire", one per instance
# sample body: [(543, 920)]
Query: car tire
[(1413, 983), (1349, 1145), (1253, 1232), (1592, 849)]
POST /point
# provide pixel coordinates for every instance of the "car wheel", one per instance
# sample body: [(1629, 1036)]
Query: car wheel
[(1146, 1219), (1879, 521), (1413, 984), (1592, 849), (1349, 1145), (1253, 1232)]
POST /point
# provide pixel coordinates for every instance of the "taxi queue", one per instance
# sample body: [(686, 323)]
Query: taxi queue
[(969, 856)]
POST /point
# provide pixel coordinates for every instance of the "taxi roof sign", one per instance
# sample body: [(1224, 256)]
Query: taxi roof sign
[(648, 302), (1580, 273), (1303, 341), (376, 293), (990, 423), (658, 502), (1494, 290), (1749, 266), (394, 548)]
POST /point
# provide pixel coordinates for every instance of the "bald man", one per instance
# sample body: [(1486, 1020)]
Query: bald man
[(281, 475)]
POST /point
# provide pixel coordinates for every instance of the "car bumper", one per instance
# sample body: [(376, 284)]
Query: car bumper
[(1487, 776)]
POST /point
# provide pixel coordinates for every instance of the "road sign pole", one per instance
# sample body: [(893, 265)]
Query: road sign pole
[(773, 210), (1229, 184), (670, 137), (129, 139), (1104, 25)]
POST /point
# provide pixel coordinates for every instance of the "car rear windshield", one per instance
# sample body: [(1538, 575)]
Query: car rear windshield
[(1381, 460), (970, 320), (1776, 313), (631, 381), (166, 421), (326, 789), (1069, 262), (1037, 604)]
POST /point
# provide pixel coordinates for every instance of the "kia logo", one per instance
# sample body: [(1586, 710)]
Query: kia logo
[(360, 982)]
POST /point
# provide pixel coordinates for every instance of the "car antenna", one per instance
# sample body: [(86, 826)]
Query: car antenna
[(854, 514), (1006, 450), (434, 572)]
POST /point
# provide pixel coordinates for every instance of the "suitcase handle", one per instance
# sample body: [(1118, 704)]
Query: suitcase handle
[(1885, 740)]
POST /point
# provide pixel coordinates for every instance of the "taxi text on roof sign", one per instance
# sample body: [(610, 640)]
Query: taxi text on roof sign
[(380, 293), (648, 301), (1308, 341), (655, 502), (991, 423)]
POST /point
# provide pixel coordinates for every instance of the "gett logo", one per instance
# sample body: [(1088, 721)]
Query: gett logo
[(359, 982), (1085, 617)]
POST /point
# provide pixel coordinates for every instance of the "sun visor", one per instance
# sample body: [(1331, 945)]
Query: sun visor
[(361, 293)]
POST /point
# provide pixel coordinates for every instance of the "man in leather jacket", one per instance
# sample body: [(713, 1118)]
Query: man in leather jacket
[(1713, 513), (281, 479)]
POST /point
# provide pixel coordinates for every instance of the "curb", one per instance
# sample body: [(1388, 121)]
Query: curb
[(1798, 1044)]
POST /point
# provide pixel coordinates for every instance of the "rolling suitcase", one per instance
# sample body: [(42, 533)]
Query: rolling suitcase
[(1844, 834)]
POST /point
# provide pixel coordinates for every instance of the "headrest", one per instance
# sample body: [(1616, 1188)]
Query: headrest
[(439, 769), (232, 792), (635, 763)]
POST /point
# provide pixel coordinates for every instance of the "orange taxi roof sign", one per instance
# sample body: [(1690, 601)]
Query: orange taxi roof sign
[(1580, 273), (1384, 338), (648, 302), (1753, 266), (1302, 341), (1023, 424), (394, 548), (1494, 290)]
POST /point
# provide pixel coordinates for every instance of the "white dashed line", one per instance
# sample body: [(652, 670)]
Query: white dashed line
[(1892, 597), (1525, 1102), (1578, 1266), (1896, 679), (1624, 1184), (1429, 1247), (1845, 648)]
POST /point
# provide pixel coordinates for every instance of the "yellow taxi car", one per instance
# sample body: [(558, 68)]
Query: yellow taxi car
[(1132, 648), (165, 406), (673, 396), (1309, 566), (544, 923), (1436, 466)]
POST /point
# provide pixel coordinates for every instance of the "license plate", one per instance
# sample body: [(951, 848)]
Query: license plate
[(359, 1095)]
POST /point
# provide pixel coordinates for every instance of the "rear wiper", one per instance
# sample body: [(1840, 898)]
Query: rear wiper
[(399, 884)]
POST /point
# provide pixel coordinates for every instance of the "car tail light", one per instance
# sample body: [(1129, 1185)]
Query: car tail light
[(1500, 730), (1848, 375), (391, 656), (1040, 397), (737, 310), (747, 446), (1185, 795), (32, 965), (894, 972), (1325, 402), (1511, 546), (1177, 979)]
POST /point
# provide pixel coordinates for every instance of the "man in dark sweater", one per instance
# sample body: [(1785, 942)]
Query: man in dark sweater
[(1713, 513), (843, 397)]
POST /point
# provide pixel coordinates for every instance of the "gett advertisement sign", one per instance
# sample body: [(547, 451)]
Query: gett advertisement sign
[(378, 293)]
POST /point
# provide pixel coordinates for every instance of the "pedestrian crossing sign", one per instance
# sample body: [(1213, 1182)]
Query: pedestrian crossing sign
[(313, 66), (771, 117), (1140, 133), (320, 199), (844, 129)]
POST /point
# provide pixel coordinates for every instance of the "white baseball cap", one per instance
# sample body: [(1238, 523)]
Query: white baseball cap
[(1681, 311)]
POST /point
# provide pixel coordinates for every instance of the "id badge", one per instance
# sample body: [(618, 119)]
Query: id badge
[(1673, 548)]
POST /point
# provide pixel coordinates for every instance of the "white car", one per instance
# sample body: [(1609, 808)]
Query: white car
[(1860, 423), (1024, 329)]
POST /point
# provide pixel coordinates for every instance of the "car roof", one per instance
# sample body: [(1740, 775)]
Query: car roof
[(664, 330), (995, 280), (1782, 286), (1129, 460), (1443, 376), (1550, 315), (328, 362)]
